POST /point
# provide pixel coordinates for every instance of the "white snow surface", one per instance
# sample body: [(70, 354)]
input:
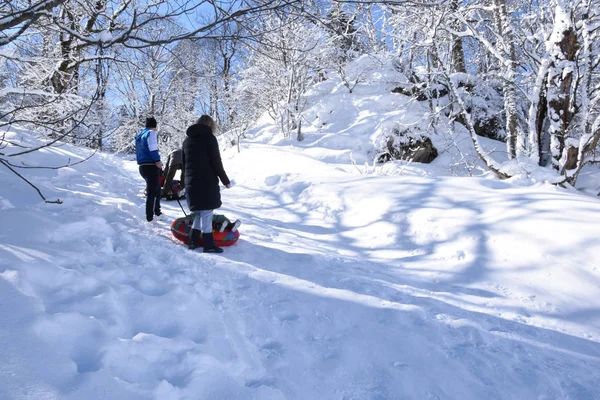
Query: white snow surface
[(343, 285)]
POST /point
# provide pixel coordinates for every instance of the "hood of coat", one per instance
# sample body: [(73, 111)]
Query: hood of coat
[(198, 130)]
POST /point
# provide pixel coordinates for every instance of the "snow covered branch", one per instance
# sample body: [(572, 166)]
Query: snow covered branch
[(39, 192), (24, 13)]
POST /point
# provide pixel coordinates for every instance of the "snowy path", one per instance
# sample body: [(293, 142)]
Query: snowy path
[(342, 286)]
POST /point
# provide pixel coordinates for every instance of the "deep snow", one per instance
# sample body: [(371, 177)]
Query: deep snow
[(343, 285), (350, 280)]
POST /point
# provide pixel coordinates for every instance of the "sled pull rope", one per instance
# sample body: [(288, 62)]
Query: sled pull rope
[(181, 207)]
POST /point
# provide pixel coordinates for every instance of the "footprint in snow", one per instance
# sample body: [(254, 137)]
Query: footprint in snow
[(287, 316), (431, 396), (299, 187), (272, 348), (273, 180), (256, 383), (400, 365), (150, 287)]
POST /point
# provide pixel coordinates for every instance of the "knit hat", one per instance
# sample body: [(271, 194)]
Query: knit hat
[(150, 122)]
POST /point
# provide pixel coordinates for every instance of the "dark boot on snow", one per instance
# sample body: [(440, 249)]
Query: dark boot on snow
[(209, 244), (193, 240)]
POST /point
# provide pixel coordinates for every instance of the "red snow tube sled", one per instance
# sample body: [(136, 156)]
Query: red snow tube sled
[(181, 228)]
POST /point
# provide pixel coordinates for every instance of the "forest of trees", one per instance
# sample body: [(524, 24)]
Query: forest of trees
[(89, 71)]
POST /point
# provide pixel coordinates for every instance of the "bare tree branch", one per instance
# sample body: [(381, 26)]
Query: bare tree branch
[(57, 201), (68, 164), (395, 2), (28, 15)]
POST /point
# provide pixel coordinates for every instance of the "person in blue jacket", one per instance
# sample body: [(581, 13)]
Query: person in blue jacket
[(146, 150)]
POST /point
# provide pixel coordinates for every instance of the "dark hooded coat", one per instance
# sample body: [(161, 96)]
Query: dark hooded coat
[(202, 169)]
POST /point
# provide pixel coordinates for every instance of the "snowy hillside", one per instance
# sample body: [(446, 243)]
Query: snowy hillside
[(342, 286), (353, 128), (356, 124)]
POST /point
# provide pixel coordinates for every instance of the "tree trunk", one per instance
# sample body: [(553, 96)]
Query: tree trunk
[(588, 66), (538, 111), (63, 77), (543, 139), (485, 158), (507, 47), (560, 80), (299, 135), (458, 56)]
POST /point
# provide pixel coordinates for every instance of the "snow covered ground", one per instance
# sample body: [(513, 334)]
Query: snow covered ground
[(342, 286)]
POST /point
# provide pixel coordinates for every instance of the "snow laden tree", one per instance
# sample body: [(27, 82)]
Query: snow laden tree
[(183, 89), (570, 75), (341, 46), (100, 121), (246, 111), (550, 60), (371, 23), (525, 72), (175, 83), (219, 61), (51, 92), (18, 16), (422, 51), (160, 81), (279, 71), (544, 57), (507, 57), (63, 76), (422, 47), (42, 94)]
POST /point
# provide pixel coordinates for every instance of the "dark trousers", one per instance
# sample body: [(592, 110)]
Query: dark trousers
[(151, 174)]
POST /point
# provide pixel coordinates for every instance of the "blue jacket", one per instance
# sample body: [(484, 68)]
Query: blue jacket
[(146, 147)]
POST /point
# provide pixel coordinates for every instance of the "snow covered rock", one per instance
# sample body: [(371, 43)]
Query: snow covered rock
[(407, 144)]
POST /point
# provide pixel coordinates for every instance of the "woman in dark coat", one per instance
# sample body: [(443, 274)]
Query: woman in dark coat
[(202, 169)]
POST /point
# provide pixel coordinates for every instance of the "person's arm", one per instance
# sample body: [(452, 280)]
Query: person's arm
[(183, 167), (153, 148), (215, 160)]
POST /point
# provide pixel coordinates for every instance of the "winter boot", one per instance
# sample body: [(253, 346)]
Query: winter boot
[(224, 225), (234, 226), (193, 240), (157, 211), (209, 244)]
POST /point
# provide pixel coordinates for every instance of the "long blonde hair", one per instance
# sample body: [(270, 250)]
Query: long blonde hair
[(208, 121)]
